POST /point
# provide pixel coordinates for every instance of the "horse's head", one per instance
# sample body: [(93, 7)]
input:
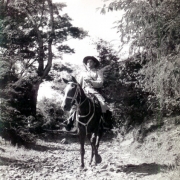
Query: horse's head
[(71, 93)]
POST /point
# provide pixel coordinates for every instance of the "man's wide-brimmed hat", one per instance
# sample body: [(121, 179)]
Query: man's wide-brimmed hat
[(92, 58)]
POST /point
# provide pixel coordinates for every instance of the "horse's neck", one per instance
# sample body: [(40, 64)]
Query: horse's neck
[(83, 95), (85, 103), (86, 107)]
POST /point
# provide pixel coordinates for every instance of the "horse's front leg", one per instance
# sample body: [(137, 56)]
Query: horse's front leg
[(92, 154), (92, 148), (82, 150), (98, 138), (98, 158)]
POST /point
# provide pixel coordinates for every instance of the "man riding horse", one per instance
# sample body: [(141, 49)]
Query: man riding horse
[(92, 81)]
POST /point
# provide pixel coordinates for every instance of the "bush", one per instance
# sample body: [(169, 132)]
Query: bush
[(49, 113), (162, 78), (14, 125), (128, 102)]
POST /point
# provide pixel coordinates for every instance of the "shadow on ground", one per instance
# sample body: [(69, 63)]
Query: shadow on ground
[(7, 161), (28, 164), (146, 169), (58, 135), (44, 148)]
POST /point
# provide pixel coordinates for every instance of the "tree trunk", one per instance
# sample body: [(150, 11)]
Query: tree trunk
[(33, 99)]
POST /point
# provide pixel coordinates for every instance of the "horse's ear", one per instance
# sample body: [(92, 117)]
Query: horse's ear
[(74, 79), (65, 80)]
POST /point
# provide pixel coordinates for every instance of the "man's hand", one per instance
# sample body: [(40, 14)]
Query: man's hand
[(87, 81)]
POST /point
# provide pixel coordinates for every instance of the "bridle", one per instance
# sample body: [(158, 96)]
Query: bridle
[(79, 104), (74, 98)]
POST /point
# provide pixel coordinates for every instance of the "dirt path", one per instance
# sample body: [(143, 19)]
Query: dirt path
[(60, 161)]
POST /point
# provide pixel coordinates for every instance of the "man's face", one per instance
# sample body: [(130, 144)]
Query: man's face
[(90, 63)]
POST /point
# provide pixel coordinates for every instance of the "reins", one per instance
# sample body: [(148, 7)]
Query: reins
[(80, 116), (79, 104)]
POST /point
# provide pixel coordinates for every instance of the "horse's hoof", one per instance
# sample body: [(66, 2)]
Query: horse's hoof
[(80, 169), (90, 163), (82, 166), (98, 159)]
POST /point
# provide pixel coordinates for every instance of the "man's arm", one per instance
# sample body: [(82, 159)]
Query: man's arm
[(99, 82)]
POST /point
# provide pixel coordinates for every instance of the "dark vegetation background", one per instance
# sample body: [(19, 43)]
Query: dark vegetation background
[(143, 88)]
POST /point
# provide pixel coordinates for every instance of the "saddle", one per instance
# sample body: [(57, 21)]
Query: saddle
[(95, 101), (107, 119)]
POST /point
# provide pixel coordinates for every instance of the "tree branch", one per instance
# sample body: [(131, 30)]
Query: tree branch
[(40, 45), (50, 40)]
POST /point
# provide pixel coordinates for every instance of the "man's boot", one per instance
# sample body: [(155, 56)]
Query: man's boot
[(69, 124)]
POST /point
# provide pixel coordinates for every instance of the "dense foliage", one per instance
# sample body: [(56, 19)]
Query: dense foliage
[(29, 31), (128, 102), (151, 26), (50, 114), (152, 29)]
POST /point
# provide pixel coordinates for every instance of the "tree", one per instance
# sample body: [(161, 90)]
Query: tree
[(30, 29), (152, 28)]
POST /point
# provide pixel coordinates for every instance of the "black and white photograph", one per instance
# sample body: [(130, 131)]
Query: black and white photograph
[(89, 89)]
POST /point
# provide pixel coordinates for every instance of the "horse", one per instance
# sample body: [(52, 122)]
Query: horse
[(88, 118)]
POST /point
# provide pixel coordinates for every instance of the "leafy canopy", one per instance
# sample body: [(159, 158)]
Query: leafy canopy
[(152, 26), (29, 30)]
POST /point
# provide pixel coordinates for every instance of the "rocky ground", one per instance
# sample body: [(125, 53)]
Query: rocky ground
[(156, 158)]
